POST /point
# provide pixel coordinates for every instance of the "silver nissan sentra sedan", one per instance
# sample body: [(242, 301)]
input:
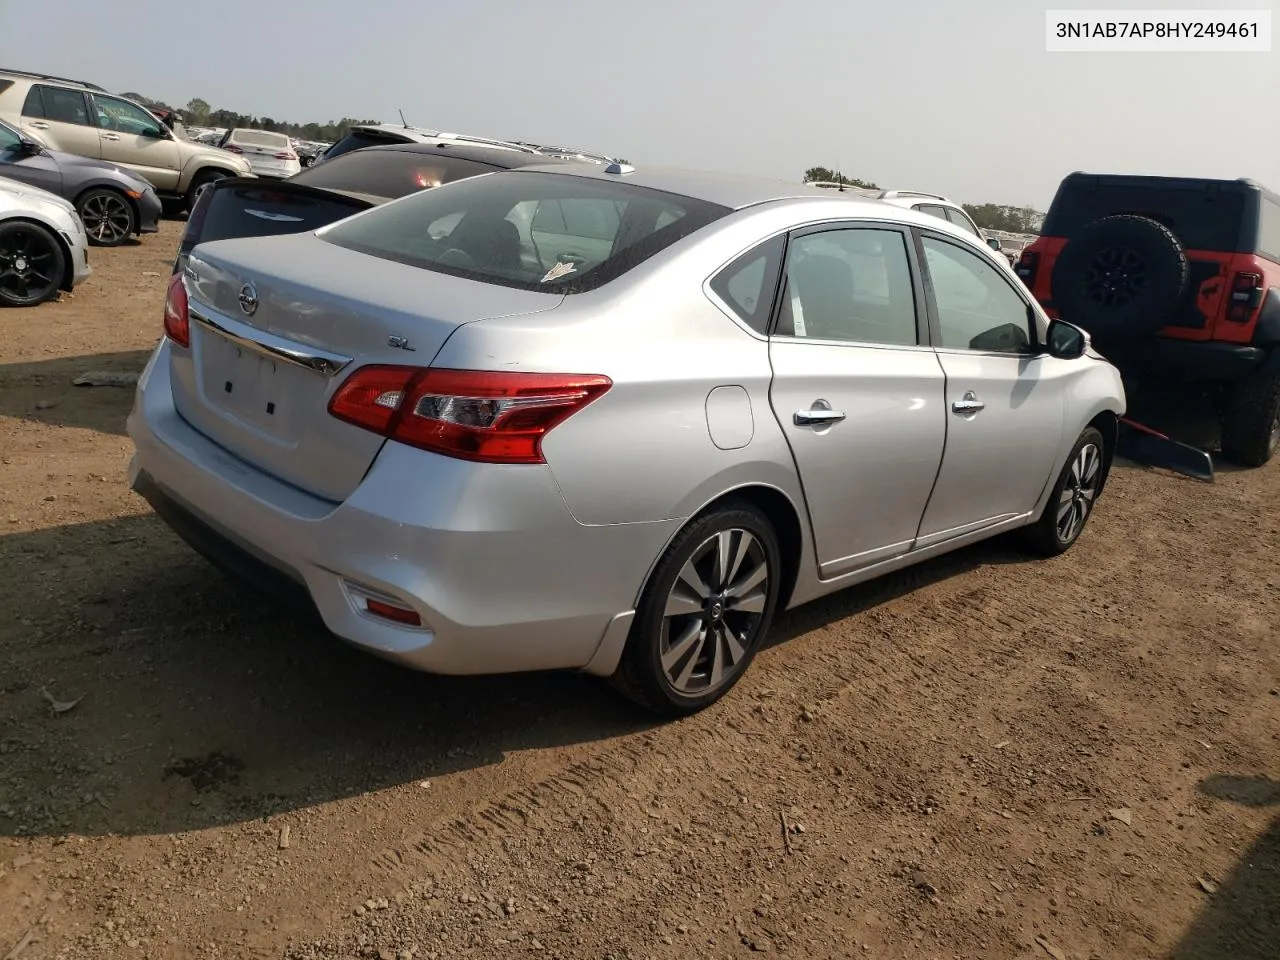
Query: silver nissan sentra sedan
[(610, 419)]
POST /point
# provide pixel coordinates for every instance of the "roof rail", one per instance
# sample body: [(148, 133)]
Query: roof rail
[(891, 194), (49, 76)]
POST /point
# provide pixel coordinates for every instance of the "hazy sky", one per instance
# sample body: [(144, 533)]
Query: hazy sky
[(959, 98)]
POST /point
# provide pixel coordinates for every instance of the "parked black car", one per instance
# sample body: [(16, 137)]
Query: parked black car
[(354, 181), (114, 204)]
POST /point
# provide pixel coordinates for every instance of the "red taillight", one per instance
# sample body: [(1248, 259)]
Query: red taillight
[(1246, 294), (1028, 264), (286, 155), (177, 323), (392, 612), (479, 415), (232, 147)]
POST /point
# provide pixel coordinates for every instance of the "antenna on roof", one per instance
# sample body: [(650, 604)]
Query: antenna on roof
[(839, 177), (403, 120)]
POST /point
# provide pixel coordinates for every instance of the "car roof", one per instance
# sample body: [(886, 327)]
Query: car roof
[(495, 156), (1137, 181), (49, 78), (424, 135), (731, 190)]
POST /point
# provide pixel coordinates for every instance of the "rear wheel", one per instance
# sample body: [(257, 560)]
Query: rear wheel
[(1071, 504), (202, 180), (1251, 426), (704, 612), (108, 217), (32, 264)]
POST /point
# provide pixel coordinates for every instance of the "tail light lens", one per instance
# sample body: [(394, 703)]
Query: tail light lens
[(286, 155), (1246, 294), (1028, 265), (232, 147), (177, 321), (485, 416)]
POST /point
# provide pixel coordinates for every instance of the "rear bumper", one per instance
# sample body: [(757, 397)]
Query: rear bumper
[(503, 577), (1190, 361)]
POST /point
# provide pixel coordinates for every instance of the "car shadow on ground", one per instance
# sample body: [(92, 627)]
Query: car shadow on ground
[(1242, 919), (42, 391), (200, 702)]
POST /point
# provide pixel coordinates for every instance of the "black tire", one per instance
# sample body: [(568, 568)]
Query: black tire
[(733, 625), (202, 180), (1121, 279), (108, 215), (32, 264), (1077, 488), (1251, 425)]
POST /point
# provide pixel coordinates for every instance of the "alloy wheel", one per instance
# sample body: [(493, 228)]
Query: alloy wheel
[(27, 264), (1115, 277), (714, 612), (107, 218), (1079, 492)]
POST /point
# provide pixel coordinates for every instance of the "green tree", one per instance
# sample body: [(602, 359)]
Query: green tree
[(827, 175), (993, 216), (198, 111)]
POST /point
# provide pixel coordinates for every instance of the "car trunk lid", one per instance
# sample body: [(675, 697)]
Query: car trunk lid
[(278, 323)]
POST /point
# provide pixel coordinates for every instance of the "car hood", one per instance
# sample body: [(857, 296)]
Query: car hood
[(69, 161), (34, 195)]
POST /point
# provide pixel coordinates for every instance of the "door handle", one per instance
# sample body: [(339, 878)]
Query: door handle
[(808, 418), (39, 125), (968, 404), (111, 136)]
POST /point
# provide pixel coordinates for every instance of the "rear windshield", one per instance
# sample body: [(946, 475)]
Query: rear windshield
[(535, 231), (260, 138), (1203, 215), (358, 140), (389, 173), (250, 210)]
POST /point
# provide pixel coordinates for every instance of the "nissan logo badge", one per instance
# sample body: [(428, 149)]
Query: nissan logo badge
[(248, 299)]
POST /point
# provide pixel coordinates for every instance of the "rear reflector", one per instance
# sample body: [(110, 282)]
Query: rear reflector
[(177, 323), (480, 415), (393, 612)]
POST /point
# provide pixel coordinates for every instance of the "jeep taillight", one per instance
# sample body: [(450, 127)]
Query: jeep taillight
[(1028, 265), (1246, 294)]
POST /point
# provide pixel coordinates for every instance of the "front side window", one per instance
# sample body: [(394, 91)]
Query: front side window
[(535, 231), (747, 285), (851, 284), (62, 105), (978, 309), (125, 117)]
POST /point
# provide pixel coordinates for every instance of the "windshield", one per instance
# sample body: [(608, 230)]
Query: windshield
[(536, 231)]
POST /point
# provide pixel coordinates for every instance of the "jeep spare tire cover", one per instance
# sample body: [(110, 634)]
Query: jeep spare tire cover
[(1121, 278)]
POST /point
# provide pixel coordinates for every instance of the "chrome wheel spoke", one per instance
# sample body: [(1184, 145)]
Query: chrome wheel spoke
[(717, 655), (736, 650), (686, 674), (749, 581), (689, 577), (751, 603), (676, 652)]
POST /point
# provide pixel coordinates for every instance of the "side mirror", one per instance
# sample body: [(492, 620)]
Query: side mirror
[(1065, 341), (993, 243), (30, 147)]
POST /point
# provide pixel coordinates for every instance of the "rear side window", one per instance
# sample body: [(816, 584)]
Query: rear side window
[(535, 231), (5, 85), (933, 210), (1203, 215), (64, 106), (748, 284), (33, 106), (1269, 229), (389, 173)]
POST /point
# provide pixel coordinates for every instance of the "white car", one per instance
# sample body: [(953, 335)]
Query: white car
[(43, 245), (269, 154)]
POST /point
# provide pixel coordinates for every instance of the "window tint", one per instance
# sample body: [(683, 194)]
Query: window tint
[(33, 106), (10, 142), (850, 284), (65, 106), (747, 285), (961, 220), (977, 308), (494, 229), (124, 117), (389, 173)]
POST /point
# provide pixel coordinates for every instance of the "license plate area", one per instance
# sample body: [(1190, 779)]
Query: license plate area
[(261, 391)]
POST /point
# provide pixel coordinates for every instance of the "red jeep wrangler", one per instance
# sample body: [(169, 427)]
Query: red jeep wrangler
[(1178, 282)]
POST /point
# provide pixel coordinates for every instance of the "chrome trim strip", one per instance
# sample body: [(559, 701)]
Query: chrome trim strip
[(269, 345)]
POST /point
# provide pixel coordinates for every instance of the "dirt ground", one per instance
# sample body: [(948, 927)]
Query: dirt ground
[(984, 757)]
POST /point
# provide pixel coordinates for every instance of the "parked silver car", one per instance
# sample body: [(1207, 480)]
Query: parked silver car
[(589, 417), (43, 247)]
